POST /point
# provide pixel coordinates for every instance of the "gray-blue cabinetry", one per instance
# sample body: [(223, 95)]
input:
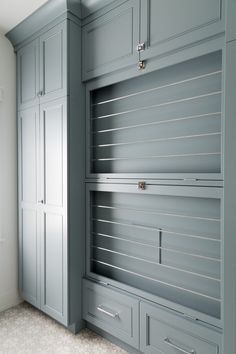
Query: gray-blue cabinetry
[(169, 25), (28, 74), (164, 332), (41, 67), (53, 63), (109, 42), (121, 38), (53, 213), (114, 311), (51, 165), (29, 232)]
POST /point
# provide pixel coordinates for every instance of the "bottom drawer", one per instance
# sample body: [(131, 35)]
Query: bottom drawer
[(112, 311), (163, 332)]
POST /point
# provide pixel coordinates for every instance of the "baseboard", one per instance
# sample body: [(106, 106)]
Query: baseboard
[(8, 300), (112, 339)]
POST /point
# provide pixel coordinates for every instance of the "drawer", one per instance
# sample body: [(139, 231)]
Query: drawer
[(163, 332), (112, 311)]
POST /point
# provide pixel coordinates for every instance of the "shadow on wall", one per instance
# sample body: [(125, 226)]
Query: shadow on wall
[(8, 177)]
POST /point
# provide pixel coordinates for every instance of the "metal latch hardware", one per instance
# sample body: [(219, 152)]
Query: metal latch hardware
[(141, 65), (141, 185), (140, 47)]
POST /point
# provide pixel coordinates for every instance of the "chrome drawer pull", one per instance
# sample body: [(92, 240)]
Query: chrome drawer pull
[(108, 312), (168, 342)]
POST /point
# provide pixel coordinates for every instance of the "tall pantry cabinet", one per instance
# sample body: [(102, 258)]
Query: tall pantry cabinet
[(50, 164)]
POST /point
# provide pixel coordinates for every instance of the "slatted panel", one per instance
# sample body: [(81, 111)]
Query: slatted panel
[(168, 121), (167, 245)]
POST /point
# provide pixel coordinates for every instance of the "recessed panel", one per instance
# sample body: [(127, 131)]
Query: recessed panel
[(53, 153), (28, 153), (170, 19), (27, 73), (29, 254), (53, 262)]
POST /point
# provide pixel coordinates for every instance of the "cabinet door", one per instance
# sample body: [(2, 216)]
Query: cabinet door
[(28, 123), (168, 24), (109, 42), (28, 75), (54, 216), (53, 63)]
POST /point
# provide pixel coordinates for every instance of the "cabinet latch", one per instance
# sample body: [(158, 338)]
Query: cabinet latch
[(141, 65), (140, 47), (141, 185)]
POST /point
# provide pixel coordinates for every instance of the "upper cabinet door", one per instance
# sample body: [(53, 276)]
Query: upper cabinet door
[(109, 42), (168, 25), (53, 63), (28, 75)]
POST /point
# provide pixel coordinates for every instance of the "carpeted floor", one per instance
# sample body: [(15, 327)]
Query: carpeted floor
[(25, 330)]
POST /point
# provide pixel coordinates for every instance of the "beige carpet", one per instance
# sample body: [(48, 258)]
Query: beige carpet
[(25, 330)]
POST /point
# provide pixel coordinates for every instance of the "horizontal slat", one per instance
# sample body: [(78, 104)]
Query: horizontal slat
[(150, 90), (102, 226), (192, 263), (168, 95), (199, 302), (164, 274), (179, 164), (209, 144), (195, 109), (189, 69), (161, 104)]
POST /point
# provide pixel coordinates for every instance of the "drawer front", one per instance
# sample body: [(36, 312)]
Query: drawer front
[(116, 313), (109, 42), (163, 332)]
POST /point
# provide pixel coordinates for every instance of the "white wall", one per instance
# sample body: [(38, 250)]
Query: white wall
[(8, 178)]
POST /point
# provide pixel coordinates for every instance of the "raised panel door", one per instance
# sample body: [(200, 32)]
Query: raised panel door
[(28, 75), (109, 43), (168, 25), (28, 123), (53, 162), (53, 63)]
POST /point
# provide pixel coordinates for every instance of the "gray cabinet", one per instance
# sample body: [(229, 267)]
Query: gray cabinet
[(53, 148), (170, 25), (29, 237), (53, 63), (163, 332), (115, 312), (143, 31), (51, 172), (109, 42), (43, 207), (28, 74), (41, 68)]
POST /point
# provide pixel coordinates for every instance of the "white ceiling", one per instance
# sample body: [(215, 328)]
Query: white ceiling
[(13, 12)]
